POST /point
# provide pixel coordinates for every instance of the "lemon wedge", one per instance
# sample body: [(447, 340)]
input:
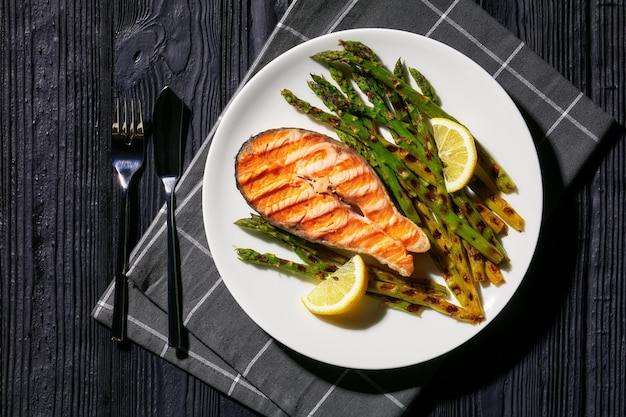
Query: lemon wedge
[(341, 291), (457, 151)]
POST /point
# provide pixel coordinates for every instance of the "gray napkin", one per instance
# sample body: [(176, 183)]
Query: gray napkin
[(226, 349)]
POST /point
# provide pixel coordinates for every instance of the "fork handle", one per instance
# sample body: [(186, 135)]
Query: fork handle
[(120, 303), (174, 285)]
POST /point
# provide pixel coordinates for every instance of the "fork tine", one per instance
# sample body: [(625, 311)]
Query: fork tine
[(124, 123), (116, 121), (139, 127), (131, 128)]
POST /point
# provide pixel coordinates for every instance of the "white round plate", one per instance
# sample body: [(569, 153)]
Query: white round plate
[(372, 337)]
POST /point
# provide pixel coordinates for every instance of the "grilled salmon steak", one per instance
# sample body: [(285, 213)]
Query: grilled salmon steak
[(319, 189)]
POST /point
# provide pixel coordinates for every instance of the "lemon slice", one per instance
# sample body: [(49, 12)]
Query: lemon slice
[(340, 291), (457, 151)]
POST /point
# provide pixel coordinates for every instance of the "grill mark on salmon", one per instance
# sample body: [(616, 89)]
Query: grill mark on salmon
[(316, 187)]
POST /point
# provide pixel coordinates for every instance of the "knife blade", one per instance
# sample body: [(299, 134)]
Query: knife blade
[(170, 121)]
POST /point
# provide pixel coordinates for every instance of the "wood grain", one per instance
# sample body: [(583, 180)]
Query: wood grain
[(53, 193), (63, 62)]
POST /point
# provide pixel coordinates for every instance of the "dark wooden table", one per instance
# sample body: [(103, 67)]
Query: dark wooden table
[(63, 61)]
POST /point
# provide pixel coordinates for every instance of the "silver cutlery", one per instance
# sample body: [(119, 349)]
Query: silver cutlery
[(128, 148), (169, 127)]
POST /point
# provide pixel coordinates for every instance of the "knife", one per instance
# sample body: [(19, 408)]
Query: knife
[(170, 122)]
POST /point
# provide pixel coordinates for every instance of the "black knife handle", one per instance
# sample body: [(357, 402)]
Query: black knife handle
[(174, 285)]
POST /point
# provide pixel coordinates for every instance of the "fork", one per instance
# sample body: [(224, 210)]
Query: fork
[(128, 149)]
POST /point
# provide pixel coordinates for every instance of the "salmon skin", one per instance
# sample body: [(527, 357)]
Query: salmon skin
[(319, 189)]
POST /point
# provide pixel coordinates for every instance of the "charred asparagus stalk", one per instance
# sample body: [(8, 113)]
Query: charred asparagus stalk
[(437, 304), (424, 85), (450, 260), (495, 222), (497, 204)]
